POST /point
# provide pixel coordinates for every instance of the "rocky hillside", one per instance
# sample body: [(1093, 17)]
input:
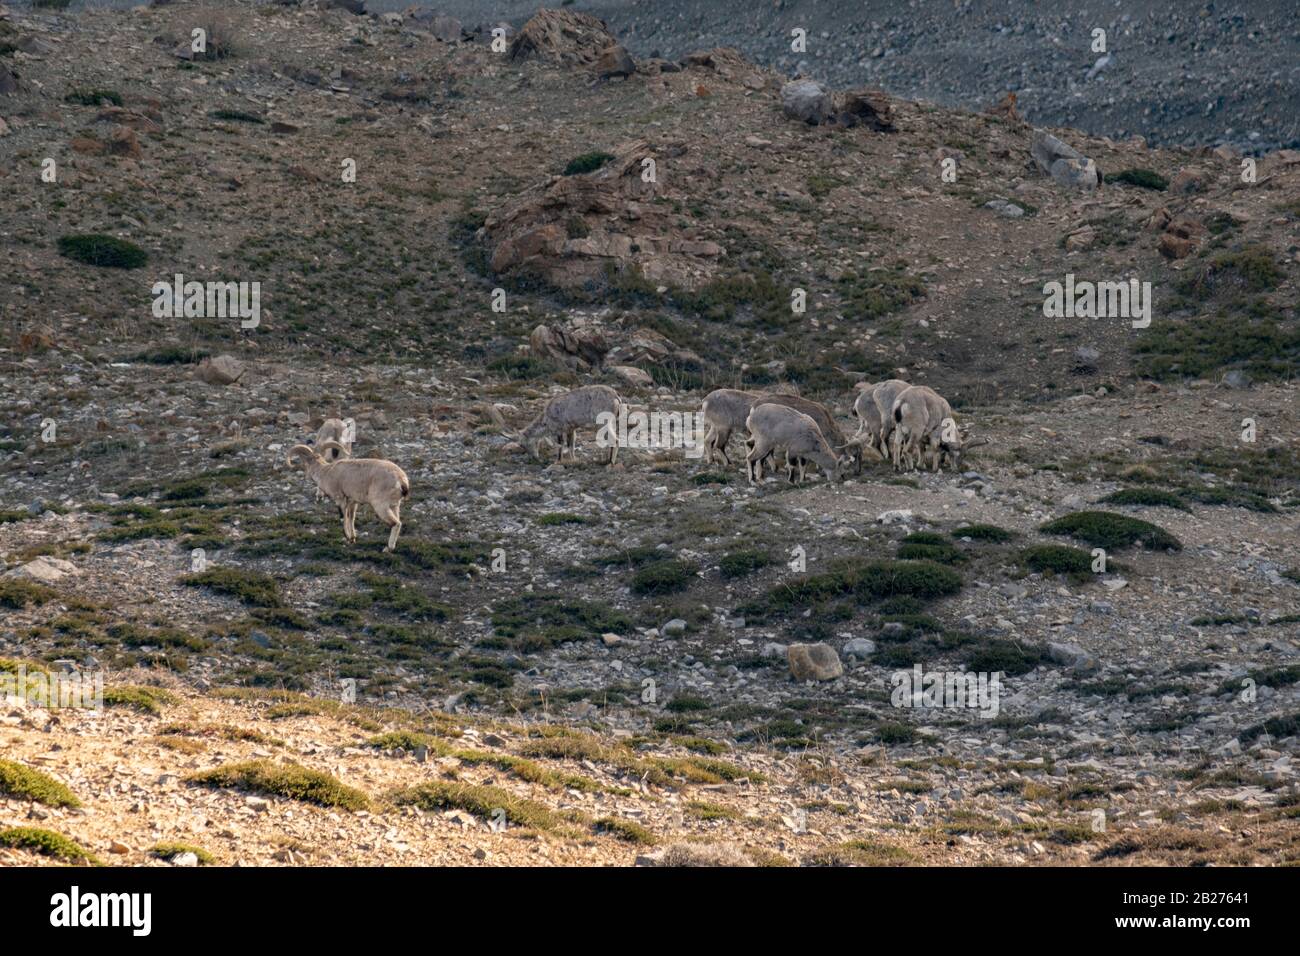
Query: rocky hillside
[(443, 236)]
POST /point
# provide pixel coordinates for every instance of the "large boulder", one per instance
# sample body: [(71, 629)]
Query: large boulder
[(45, 570), (615, 61), (576, 348), (568, 37), (814, 662), (730, 64), (1181, 237), (576, 230), (807, 100), (222, 370), (864, 107)]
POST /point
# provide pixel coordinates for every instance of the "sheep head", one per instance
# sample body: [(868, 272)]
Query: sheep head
[(302, 454)]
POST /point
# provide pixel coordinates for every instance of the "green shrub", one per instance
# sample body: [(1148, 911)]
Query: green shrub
[(24, 783), (879, 292), (663, 577), (481, 801), (928, 546), (1150, 497), (737, 564), (920, 579), (1252, 268), (1057, 559), (625, 830), (1146, 178), (284, 780), (983, 532), (237, 116), (106, 252), (17, 593), (586, 163), (1008, 657), (1203, 346), (1103, 529), (90, 97), (46, 843), (250, 587), (166, 851), (147, 700)]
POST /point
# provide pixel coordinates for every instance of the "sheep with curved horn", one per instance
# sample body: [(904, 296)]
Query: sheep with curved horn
[(352, 482)]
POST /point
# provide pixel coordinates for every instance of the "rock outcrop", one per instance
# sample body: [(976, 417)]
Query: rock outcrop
[(562, 36), (579, 229)]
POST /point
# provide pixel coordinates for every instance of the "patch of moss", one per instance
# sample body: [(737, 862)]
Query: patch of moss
[(24, 783), (1103, 529), (284, 780)]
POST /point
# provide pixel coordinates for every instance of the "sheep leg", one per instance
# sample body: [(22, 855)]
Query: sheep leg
[(391, 516), (720, 439), (755, 458)]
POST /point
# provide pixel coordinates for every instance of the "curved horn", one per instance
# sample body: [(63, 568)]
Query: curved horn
[(299, 451), (329, 445)]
